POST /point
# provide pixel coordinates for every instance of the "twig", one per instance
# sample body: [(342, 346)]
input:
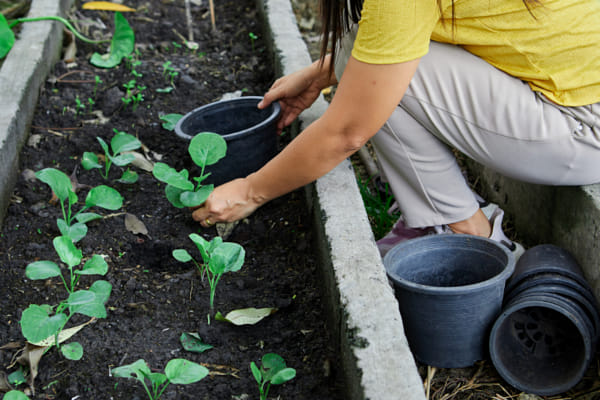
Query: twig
[(188, 17), (430, 373), (212, 15)]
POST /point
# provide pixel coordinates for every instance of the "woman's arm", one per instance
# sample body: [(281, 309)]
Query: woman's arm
[(366, 96)]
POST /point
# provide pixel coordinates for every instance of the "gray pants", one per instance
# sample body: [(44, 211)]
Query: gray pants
[(457, 100)]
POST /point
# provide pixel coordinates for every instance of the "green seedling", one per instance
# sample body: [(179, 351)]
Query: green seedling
[(100, 196), (205, 149), (253, 37), (15, 395), (134, 94), (273, 371), (97, 82), (218, 257), (41, 322), (91, 104), (169, 72), (377, 205), (120, 144), (79, 106), (170, 120), (122, 42), (178, 371)]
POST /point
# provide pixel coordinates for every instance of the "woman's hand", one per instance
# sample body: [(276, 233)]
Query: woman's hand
[(298, 91), (227, 203)]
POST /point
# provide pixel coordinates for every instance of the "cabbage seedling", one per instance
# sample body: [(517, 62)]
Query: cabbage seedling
[(120, 143), (273, 371), (218, 257), (178, 371), (100, 196), (205, 149)]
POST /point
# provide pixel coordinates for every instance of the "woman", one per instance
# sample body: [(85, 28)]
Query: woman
[(513, 84)]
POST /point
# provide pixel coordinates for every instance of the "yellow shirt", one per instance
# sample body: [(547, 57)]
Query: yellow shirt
[(557, 50)]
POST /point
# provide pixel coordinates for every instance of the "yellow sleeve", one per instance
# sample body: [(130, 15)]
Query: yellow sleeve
[(393, 31)]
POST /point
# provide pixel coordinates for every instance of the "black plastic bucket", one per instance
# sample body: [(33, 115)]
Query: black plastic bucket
[(450, 290), (250, 134)]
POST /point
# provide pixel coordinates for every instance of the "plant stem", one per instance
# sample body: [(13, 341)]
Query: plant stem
[(64, 21)]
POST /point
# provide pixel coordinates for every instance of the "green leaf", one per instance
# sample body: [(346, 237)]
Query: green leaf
[(87, 217), (58, 181), (76, 231), (94, 266), (122, 159), (105, 197), (157, 378), (139, 368), (182, 255), (87, 303), (203, 246), (256, 372), (7, 37), (170, 120), (169, 175), (247, 316), (42, 270), (81, 297), (173, 194), (72, 351), (193, 342), (193, 199), (124, 142), (283, 376), (17, 378), (128, 176), (228, 257), (66, 250), (36, 325), (272, 363), (102, 290), (103, 145), (122, 44), (15, 394), (90, 160), (207, 148), (183, 372)]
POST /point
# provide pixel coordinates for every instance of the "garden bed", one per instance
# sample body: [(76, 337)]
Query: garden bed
[(155, 298)]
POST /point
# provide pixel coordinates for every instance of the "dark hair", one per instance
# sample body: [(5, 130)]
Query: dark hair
[(337, 15)]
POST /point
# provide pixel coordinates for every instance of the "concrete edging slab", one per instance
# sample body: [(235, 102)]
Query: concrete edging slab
[(24, 70), (377, 361)]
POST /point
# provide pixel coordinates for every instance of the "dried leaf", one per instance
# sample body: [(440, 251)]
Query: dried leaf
[(134, 225), (70, 51), (106, 6), (246, 316), (224, 229), (140, 161), (65, 334)]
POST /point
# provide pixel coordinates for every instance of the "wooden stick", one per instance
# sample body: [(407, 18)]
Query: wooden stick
[(212, 15)]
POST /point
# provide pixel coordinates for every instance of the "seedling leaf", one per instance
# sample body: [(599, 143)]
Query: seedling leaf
[(58, 181), (87, 217), (180, 371), (102, 290), (63, 335), (228, 257), (122, 142), (283, 376), (122, 159), (173, 194), (15, 394), (182, 255), (121, 45), (90, 160), (66, 250), (105, 197), (94, 266), (193, 199), (72, 351), (193, 342), (170, 120), (37, 325), (139, 369), (76, 232), (128, 176), (7, 37), (246, 316), (42, 270), (169, 175), (256, 372), (207, 148)]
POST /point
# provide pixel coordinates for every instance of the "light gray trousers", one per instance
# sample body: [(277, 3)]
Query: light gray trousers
[(457, 100)]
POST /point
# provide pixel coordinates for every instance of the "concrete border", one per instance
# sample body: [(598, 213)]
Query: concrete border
[(377, 362), (24, 70)]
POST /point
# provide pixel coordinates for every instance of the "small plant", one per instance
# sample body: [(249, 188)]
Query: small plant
[(377, 204), (169, 72), (253, 37), (97, 82), (134, 95), (62, 187), (205, 149), (273, 371), (218, 257), (178, 371), (79, 106), (120, 144), (42, 322)]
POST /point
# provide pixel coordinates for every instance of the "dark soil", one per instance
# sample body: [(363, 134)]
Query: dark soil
[(154, 297)]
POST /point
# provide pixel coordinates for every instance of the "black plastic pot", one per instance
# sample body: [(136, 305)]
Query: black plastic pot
[(250, 134), (542, 343), (450, 290)]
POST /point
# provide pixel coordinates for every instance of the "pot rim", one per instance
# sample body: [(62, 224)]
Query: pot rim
[(502, 276), (230, 136)]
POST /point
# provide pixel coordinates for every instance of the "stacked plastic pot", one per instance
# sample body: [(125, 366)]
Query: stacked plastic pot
[(546, 335)]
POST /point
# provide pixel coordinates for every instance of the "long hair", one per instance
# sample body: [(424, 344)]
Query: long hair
[(337, 15)]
